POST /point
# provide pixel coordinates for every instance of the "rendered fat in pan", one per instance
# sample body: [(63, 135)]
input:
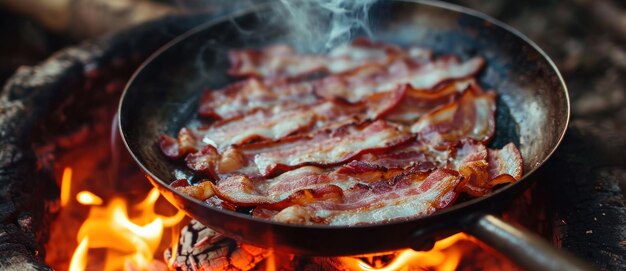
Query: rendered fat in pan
[(533, 112)]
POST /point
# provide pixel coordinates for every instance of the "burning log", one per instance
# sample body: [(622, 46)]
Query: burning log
[(201, 248)]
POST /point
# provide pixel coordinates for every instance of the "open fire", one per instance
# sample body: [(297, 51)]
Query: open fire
[(111, 219), (201, 248), (130, 242), (118, 230)]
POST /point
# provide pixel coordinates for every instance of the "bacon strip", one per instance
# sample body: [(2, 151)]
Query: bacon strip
[(371, 79), (312, 183), (507, 160), (483, 168), (270, 193), (201, 191), (244, 191), (263, 125), (366, 134), (278, 123), (333, 149), (472, 116), (418, 102), (407, 196), (176, 148), (282, 61), (471, 162), (243, 97), (246, 96)]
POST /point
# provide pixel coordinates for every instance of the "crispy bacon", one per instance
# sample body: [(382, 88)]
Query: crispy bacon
[(280, 191), (471, 162), (204, 161), (280, 122), (407, 196), (411, 155), (507, 160), (243, 97), (201, 191), (176, 148), (472, 116), (332, 150), (282, 61), (169, 146), (483, 168), (368, 133), (263, 125), (371, 79), (418, 102)]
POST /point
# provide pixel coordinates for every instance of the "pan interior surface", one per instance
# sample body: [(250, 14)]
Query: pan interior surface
[(162, 97)]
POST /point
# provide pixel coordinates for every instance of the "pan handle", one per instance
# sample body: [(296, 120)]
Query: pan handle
[(521, 246)]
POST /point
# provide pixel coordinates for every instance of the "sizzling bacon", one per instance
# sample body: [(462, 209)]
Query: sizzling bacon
[(418, 102), (406, 196), (263, 125), (278, 191), (371, 79), (471, 162), (281, 190), (483, 168), (176, 148), (472, 116), (366, 134), (282, 61), (280, 122), (243, 97), (333, 149), (507, 160), (201, 191), (204, 161)]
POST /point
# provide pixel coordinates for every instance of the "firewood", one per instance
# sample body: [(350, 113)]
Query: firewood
[(201, 248)]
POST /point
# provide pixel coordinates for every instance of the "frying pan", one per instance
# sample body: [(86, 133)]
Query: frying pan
[(533, 112)]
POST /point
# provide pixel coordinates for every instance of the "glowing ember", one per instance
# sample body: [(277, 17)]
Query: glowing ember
[(129, 242), (201, 248)]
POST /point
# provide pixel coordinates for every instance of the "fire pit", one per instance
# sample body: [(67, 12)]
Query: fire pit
[(57, 118)]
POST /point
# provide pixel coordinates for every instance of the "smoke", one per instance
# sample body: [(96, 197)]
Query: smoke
[(313, 25), (319, 25)]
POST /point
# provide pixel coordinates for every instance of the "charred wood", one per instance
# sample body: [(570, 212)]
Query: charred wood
[(201, 248)]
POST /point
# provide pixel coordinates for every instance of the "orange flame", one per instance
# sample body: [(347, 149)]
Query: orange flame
[(444, 256), (174, 246), (88, 198), (79, 259), (66, 185), (270, 262), (130, 243)]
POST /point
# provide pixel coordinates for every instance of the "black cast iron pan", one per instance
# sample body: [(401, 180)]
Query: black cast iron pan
[(533, 112)]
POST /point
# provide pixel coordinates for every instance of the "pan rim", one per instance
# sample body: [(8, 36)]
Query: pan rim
[(441, 213)]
